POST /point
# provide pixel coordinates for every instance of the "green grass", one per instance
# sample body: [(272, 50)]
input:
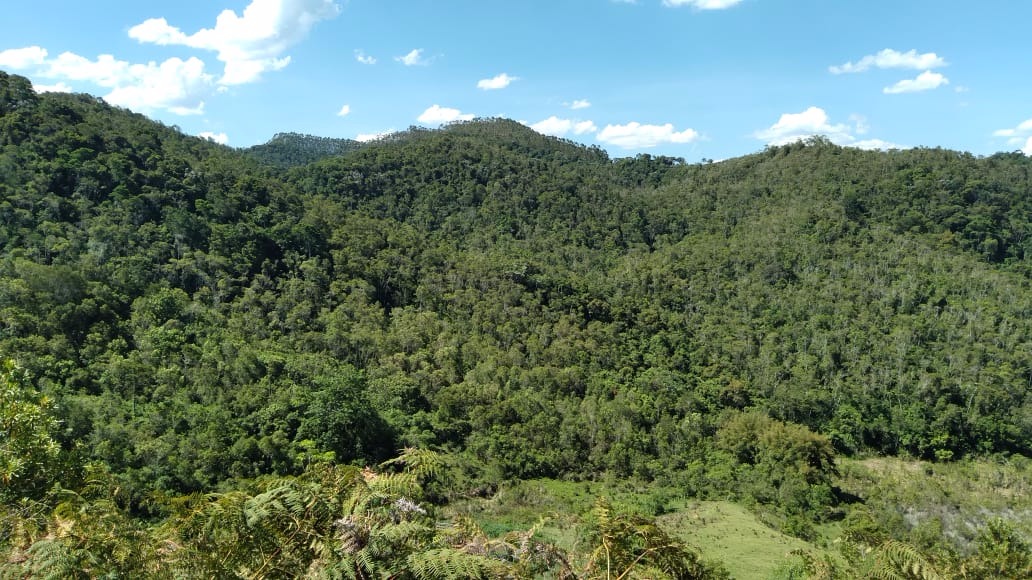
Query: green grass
[(921, 500), (731, 533), (719, 530)]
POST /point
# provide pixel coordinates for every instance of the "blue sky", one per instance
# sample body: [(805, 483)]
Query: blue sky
[(692, 78)]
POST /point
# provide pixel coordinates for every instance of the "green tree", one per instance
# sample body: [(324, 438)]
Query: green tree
[(29, 454)]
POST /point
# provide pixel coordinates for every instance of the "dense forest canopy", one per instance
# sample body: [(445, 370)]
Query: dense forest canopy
[(200, 315), (292, 149)]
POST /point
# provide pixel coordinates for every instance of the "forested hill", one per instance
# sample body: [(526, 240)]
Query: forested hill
[(292, 149), (525, 303)]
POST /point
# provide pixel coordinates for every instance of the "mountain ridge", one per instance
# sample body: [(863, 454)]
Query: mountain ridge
[(481, 285)]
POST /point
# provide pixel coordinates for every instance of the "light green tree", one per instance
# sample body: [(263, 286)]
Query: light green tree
[(29, 455)]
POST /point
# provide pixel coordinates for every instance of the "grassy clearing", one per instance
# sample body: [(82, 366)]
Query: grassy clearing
[(720, 530), (943, 499), (922, 501), (731, 533)]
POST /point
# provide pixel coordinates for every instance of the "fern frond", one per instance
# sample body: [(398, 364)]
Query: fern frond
[(451, 564)]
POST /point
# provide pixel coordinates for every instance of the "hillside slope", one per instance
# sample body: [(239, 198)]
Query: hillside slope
[(526, 302)]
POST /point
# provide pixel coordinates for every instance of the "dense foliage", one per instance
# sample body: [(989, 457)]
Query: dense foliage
[(202, 316), (293, 149)]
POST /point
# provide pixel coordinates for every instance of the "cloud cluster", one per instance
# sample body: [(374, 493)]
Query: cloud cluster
[(438, 115), (893, 59), (413, 58), (925, 81), (814, 121), (558, 127), (249, 44), (580, 104), (1020, 136), (364, 58), (367, 137), (54, 88), (497, 82), (889, 58), (635, 135), (175, 85), (703, 4), (23, 58), (220, 138)]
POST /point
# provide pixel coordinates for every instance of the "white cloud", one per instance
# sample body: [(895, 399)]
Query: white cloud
[(437, 115), (59, 87), (703, 4), (367, 137), (106, 71), (889, 58), (344, 111), (413, 58), (219, 138), (21, 58), (814, 121), (859, 124), (580, 104), (175, 85), (874, 144), (553, 126), (792, 127), (558, 127), (584, 127), (1020, 136), (925, 81), (634, 135), (250, 44), (363, 58), (498, 82)]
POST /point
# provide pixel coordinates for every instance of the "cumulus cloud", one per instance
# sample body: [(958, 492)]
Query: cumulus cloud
[(875, 145), (1018, 136), (580, 104), (437, 115), (584, 127), (703, 4), (634, 135), (363, 58), (249, 44), (344, 111), (22, 58), (925, 81), (367, 137), (792, 127), (1023, 128), (889, 58), (558, 127), (413, 58), (175, 85), (219, 138), (814, 121), (497, 82), (59, 87)]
